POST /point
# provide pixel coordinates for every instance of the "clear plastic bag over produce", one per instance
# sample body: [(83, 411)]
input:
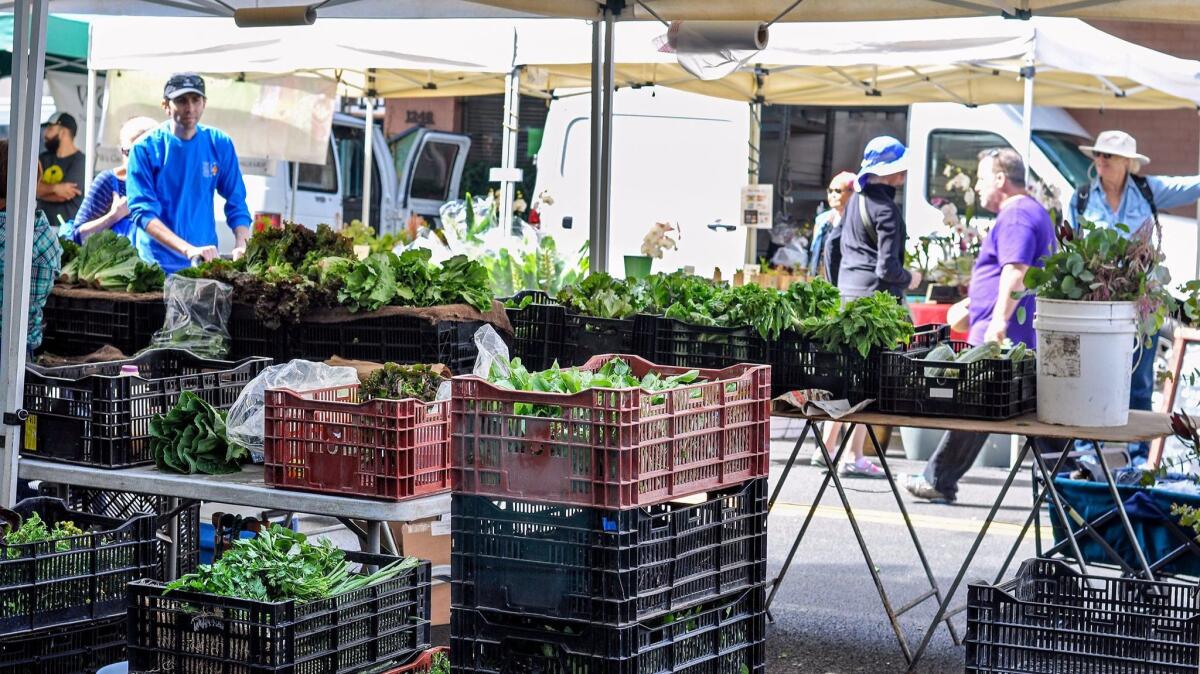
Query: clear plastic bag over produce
[(492, 349), (197, 317), (245, 422)]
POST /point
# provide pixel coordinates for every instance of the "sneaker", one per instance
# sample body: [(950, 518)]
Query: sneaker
[(818, 460), (862, 468), (918, 486)]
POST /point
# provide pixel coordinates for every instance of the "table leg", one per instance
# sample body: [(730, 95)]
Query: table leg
[(1057, 503), (962, 572), (1116, 494), (812, 509), (862, 545), (881, 454), (172, 570), (787, 467)]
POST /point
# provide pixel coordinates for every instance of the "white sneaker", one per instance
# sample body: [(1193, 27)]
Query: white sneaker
[(818, 459), (918, 486)]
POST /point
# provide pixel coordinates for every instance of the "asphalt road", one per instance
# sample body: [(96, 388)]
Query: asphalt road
[(829, 617)]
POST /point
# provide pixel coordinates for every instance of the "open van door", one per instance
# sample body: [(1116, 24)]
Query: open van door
[(429, 165)]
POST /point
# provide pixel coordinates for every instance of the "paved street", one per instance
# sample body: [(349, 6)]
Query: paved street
[(829, 616)]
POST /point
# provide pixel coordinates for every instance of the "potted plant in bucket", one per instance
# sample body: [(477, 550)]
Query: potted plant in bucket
[(1098, 298), (657, 242)]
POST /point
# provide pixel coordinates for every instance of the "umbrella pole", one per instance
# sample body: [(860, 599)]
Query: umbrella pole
[(368, 158), (753, 173), (29, 63), (89, 132)]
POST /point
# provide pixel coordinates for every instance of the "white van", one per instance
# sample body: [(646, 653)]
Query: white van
[(422, 169)]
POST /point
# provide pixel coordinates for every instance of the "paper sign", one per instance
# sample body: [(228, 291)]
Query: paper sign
[(757, 201)]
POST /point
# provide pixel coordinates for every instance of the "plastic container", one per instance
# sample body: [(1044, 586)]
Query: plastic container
[(995, 388), (1052, 619), (723, 636), (422, 663), (611, 448), (586, 337), (248, 337), (607, 567), (76, 326), (81, 648), (92, 415), (190, 632), (72, 579), (327, 441), (124, 505), (538, 331), (397, 339), (1085, 360), (682, 344)]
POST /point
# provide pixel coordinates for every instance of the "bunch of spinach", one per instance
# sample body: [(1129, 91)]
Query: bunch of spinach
[(862, 325), (602, 296), (280, 565), (191, 438), (371, 283), (410, 279), (615, 374), (397, 382)]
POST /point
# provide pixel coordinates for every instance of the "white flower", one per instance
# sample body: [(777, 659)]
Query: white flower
[(950, 215), (545, 198), (959, 183), (969, 196)]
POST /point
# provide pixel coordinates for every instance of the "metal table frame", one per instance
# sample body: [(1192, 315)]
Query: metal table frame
[(242, 489), (1143, 426)]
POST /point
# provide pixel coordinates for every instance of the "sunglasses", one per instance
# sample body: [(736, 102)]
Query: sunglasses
[(834, 190), (1105, 155)]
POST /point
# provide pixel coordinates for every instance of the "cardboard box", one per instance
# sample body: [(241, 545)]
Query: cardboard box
[(424, 539), (439, 610)]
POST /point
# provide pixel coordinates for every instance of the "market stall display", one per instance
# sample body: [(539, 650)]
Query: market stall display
[(954, 379)]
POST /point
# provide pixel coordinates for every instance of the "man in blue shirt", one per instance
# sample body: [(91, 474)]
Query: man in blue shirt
[(173, 173)]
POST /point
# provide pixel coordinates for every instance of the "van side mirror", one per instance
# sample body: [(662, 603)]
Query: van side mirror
[(567, 222)]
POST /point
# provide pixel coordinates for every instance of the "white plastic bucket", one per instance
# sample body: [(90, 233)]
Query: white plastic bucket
[(1084, 361)]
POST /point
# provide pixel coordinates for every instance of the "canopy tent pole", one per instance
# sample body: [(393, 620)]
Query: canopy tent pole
[(28, 68), (509, 140), (598, 255), (1197, 275), (1028, 72), (605, 230), (89, 134), (295, 188), (752, 176), (368, 149)]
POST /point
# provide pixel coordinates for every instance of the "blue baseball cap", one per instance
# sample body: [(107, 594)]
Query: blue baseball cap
[(883, 156)]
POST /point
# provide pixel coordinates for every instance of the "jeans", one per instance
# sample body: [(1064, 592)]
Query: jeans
[(957, 451), (1141, 390)]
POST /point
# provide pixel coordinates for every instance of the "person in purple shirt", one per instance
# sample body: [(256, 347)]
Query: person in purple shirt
[(1022, 235)]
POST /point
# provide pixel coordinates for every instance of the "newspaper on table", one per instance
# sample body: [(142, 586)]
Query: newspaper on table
[(817, 402)]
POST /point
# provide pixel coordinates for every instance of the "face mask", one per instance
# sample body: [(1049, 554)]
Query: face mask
[(52, 144)]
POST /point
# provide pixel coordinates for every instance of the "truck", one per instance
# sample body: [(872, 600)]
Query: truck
[(683, 157), (421, 169)]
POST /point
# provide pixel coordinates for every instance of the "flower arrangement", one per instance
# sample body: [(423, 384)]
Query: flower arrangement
[(658, 241), (949, 258)]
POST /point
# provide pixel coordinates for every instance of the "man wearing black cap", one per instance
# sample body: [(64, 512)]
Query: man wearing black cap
[(173, 173), (61, 166)]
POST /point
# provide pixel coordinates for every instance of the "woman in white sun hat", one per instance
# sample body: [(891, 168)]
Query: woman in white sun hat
[(1118, 194)]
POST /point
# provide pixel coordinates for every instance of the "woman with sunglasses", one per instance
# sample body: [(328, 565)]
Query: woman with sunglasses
[(827, 237), (1119, 195), (105, 206)]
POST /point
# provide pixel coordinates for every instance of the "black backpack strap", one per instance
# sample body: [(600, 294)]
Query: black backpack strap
[(1080, 202), (867, 223), (1143, 187)]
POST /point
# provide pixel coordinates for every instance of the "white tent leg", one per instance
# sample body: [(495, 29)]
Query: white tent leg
[(28, 68), (1197, 274), (295, 188), (752, 177), (89, 133), (368, 161), (605, 231), (509, 140), (1027, 115), (598, 255)]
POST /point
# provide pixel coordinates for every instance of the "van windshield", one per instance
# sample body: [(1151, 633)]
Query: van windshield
[(1063, 151)]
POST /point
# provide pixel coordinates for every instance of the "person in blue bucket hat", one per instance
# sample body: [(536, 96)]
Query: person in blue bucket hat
[(873, 229)]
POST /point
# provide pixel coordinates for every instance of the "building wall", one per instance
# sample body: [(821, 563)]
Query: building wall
[(1171, 138), (442, 114)]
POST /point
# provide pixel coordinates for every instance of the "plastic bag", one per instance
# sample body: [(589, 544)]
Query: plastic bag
[(245, 422), (492, 350), (197, 317)]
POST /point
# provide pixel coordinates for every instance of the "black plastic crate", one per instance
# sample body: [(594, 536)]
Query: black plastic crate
[(538, 330), (994, 388), (91, 415), (723, 636), (683, 344), (587, 336), (397, 339), (72, 579), (81, 648), (148, 318), (194, 633), (610, 567), (249, 337), (124, 505), (76, 326), (1053, 619)]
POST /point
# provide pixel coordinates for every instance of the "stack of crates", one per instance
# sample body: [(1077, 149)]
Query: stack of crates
[(611, 531)]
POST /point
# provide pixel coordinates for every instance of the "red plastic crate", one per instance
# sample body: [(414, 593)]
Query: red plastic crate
[(610, 448), (325, 440)]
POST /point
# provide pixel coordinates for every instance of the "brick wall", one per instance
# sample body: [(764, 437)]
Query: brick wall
[(1171, 138)]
